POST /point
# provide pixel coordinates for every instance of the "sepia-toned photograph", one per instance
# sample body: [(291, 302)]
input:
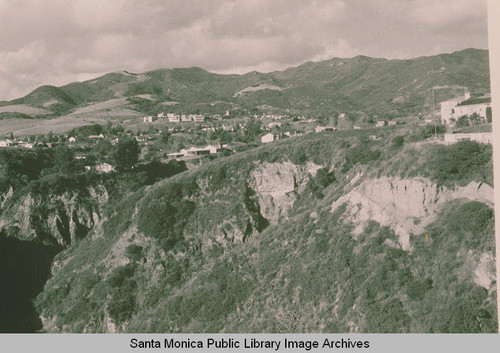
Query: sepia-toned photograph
[(246, 166)]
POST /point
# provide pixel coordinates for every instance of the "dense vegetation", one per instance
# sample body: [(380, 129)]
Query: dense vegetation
[(193, 253)]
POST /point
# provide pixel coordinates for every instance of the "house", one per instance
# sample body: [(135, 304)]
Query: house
[(185, 117), (341, 116), (325, 128), (470, 109), (455, 108), (173, 118), (267, 138), (274, 124), (160, 115), (356, 127), (212, 149), (380, 123), (72, 139), (5, 143), (448, 106), (104, 168), (198, 118), (100, 136), (392, 123), (148, 119)]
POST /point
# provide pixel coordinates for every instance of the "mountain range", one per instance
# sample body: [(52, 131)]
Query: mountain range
[(359, 85)]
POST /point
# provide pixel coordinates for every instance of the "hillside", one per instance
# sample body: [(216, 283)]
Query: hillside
[(279, 238), (359, 85)]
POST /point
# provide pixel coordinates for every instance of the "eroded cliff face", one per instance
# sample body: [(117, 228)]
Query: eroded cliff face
[(55, 219), (277, 186), (405, 205)]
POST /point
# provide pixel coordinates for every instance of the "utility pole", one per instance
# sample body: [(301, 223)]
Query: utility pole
[(434, 113)]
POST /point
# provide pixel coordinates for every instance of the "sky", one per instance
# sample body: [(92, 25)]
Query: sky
[(61, 41)]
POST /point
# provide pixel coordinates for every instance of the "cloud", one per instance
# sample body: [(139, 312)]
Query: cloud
[(56, 42)]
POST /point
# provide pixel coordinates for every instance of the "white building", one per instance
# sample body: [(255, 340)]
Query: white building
[(100, 136), (198, 118), (273, 124), (325, 128), (72, 139), (173, 118), (5, 143), (267, 138), (451, 109), (148, 119), (104, 168)]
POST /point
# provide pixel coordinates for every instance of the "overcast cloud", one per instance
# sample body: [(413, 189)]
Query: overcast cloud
[(56, 42)]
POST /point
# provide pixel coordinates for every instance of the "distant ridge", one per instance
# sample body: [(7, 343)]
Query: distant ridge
[(360, 84)]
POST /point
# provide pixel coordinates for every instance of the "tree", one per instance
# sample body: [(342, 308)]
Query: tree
[(253, 129), (64, 159), (126, 154), (101, 150)]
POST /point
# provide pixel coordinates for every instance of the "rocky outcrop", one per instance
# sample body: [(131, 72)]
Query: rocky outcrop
[(484, 273), (405, 205), (277, 186), (56, 219)]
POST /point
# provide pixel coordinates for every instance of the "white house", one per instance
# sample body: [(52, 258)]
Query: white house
[(380, 123), (451, 109), (185, 117), (198, 118), (273, 124), (104, 168), (470, 109), (5, 143), (161, 115), (72, 139), (267, 138), (100, 136), (148, 119), (173, 118)]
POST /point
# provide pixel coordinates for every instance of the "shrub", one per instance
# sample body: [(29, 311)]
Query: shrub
[(134, 252), (461, 162), (398, 141)]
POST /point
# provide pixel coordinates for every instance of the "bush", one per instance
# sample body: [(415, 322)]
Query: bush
[(165, 214), (121, 274), (461, 162), (398, 141), (134, 252)]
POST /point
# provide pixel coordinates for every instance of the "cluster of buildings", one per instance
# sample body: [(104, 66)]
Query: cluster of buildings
[(270, 137), (453, 109), (22, 144), (196, 151), (175, 118)]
